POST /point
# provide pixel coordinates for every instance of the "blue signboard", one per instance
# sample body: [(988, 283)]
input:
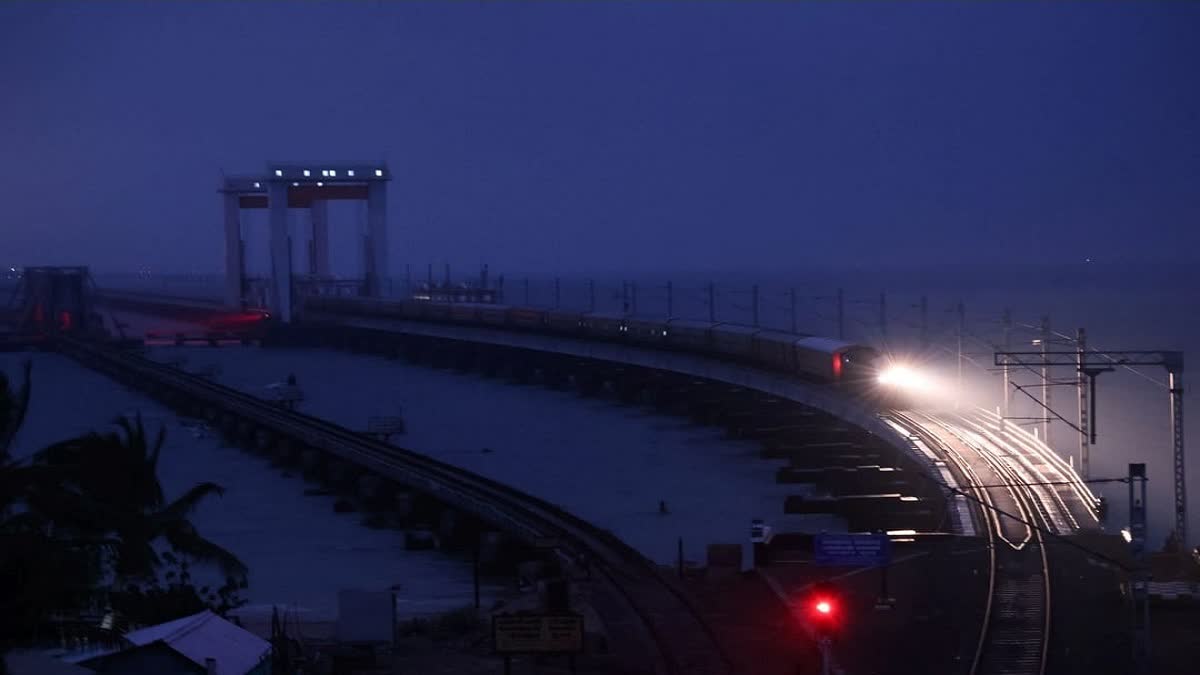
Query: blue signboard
[(852, 550)]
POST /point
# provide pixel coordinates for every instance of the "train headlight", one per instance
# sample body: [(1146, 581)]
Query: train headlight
[(904, 377)]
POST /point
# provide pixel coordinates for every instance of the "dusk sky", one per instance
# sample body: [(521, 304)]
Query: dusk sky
[(564, 136)]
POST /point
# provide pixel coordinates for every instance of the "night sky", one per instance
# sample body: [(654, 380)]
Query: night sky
[(636, 137)]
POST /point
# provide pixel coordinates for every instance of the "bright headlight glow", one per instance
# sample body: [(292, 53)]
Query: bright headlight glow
[(904, 377)]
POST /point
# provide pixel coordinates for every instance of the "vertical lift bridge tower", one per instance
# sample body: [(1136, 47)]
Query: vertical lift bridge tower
[(304, 185)]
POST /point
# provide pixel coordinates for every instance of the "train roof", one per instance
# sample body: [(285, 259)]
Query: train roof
[(825, 344), (737, 328), (690, 323)]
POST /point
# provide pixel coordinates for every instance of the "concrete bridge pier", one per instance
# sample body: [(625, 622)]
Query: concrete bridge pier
[(284, 453), (312, 463), (341, 476), (870, 512), (848, 480), (588, 382), (519, 368)]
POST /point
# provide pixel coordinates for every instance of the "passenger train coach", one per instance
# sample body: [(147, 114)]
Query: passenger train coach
[(807, 356)]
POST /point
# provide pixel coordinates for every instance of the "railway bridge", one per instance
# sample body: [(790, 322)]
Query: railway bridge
[(877, 470)]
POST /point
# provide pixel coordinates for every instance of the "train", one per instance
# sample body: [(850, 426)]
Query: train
[(809, 357)]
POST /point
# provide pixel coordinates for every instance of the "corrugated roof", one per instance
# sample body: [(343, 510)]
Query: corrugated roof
[(208, 636), (34, 663)]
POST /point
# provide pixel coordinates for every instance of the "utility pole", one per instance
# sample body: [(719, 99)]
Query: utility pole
[(670, 300), (792, 298), (754, 303), (1081, 383), (1094, 363), (924, 322), (883, 314), (1175, 385), (1140, 582), (962, 327), (841, 314), (1007, 323), (1045, 382)]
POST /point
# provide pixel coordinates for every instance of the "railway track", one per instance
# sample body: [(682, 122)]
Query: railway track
[(1015, 634), (680, 638)]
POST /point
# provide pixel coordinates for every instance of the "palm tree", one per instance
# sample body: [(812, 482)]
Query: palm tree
[(112, 486)]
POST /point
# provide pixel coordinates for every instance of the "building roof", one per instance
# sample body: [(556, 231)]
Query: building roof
[(34, 663), (207, 636)]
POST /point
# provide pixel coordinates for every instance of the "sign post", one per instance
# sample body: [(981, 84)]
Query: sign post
[(537, 634), (858, 550)]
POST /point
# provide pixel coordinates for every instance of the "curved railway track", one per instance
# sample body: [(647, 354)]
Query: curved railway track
[(1015, 633), (681, 640)]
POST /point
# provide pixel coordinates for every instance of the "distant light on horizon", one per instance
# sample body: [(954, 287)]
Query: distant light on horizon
[(332, 173), (306, 173), (379, 173), (257, 184), (320, 184), (350, 173), (278, 172)]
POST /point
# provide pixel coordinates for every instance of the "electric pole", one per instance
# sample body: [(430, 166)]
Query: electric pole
[(792, 298), (841, 314), (1045, 342), (1139, 585), (924, 322), (1081, 382), (962, 327), (754, 304), (883, 314), (1007, 321), (1175, 385)]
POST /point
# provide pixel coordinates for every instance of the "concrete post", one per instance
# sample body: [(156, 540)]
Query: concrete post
[(235, 269), (280, 299), (377, 245), (318, 263)]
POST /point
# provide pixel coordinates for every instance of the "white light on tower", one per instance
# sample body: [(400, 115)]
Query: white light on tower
[(350, 173), (306, 173), (379, 173), (278, 172)]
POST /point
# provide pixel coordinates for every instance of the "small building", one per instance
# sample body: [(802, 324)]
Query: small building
[(199, 644)]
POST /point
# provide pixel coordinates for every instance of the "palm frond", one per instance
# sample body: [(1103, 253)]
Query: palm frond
[(184, 539), (183, 506)]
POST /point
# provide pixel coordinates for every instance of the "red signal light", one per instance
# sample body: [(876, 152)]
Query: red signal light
[(823, 607)]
